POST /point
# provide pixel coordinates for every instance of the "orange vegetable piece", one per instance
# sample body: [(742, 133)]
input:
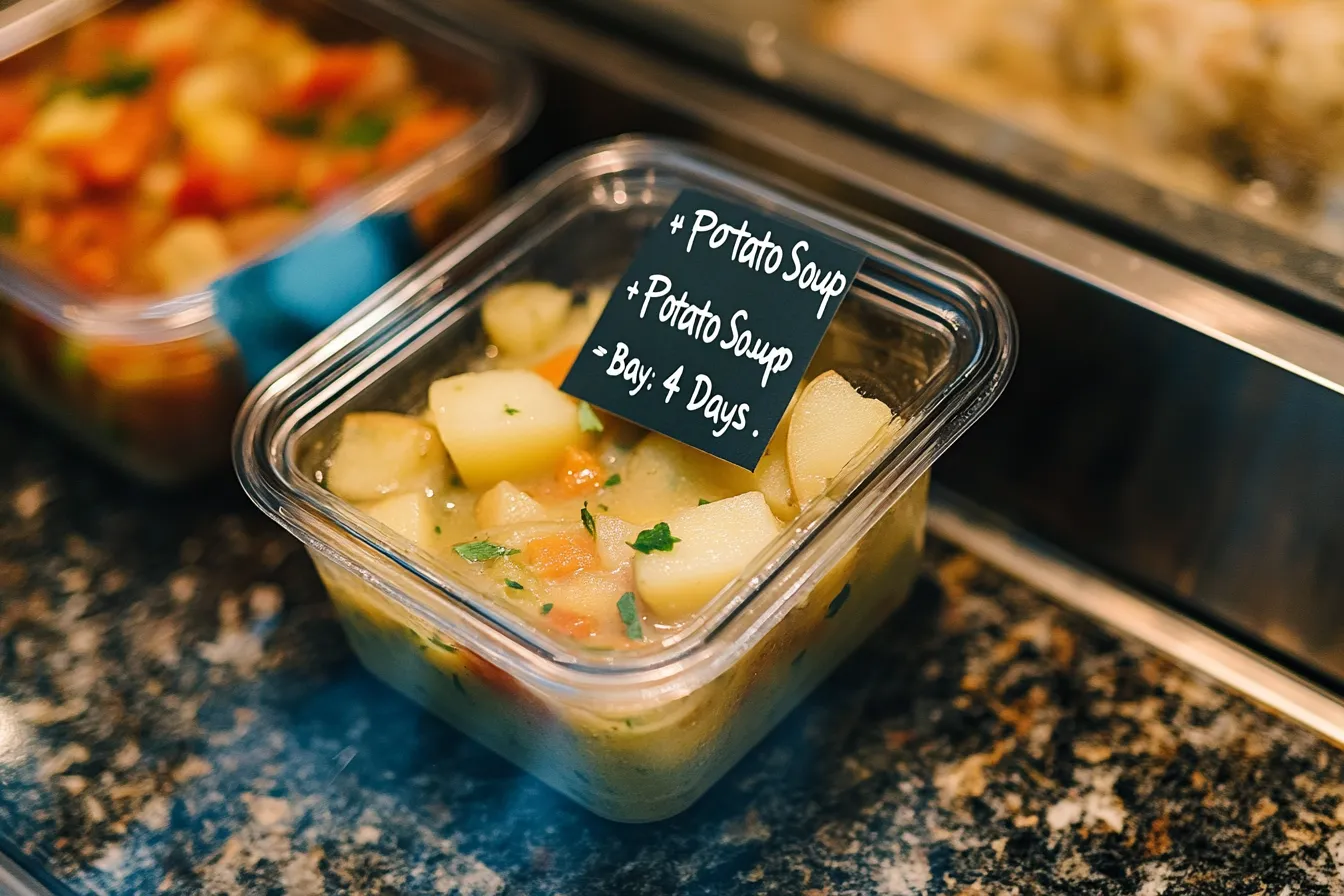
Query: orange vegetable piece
[(555, 368), (335, 73), (578, 472), (556, 556), (88, 246), (17, 107), (325, 176), (92, 43), (570, 623), (117, 160), (415, 135)]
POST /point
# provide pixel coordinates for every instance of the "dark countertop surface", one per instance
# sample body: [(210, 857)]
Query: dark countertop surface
[(179, 714)]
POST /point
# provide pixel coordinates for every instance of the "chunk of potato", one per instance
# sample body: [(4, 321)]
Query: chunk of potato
[(502, 424), (521, 318), (190, 253), (718, 541), (663, 476), (613, 540), (505, 505), (410, 515), (831, 423), (380, 454), (771, 476)]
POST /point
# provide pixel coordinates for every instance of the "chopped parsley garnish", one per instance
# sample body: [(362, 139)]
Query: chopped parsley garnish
[(122, 80), (438, 530), (613, 479), (630, 616), (457, 481), (291, 199), (838, 602), (546, 608), (511, 411), (439, 642), (588, 421), (478, 551), (365, 130), (510, 583), (629, 723), (298, 126), (659, 538), (703, 502), (604, 508), (9, 220), (588, 522)]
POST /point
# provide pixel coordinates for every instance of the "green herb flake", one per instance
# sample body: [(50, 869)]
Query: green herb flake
[(838, 602), (510, 583), (479, 551), (9, 220), (365, 130), (546, 608), (438, 530), (613, 479), (291, 199), (604, 508), (457, 482), (588, 522), (630, 616), (659, 538), (122, 80), (511, 411), (439, 642), (588, 421), (703, 502), (302, 127), (629, 723)]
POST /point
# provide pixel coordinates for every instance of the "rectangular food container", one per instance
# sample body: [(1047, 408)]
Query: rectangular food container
[(152, 376), (633, 735)]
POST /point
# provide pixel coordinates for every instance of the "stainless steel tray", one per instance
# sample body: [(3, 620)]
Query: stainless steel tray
[(761, 40)]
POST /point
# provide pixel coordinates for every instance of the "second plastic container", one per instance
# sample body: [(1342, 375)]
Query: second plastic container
[(228, 132)]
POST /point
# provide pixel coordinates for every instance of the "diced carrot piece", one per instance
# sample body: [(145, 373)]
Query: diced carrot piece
[(92, 43), (578, 471), (118, 159), (555, 556), (17, 107), (335, 73), (555, 368), (88, 246), (415, 135), (326, 175), (570, 623)]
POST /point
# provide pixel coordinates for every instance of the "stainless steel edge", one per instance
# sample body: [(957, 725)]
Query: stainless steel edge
[(1132, 614), (1267, 333)]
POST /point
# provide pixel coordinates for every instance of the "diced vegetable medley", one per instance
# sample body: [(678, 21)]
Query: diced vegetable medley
[(583, 523), (143, 151)]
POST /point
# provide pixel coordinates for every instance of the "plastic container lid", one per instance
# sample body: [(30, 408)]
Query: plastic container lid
[(511, 101), (376, 354)]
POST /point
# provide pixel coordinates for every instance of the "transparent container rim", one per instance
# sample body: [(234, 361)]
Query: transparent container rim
[(159, 318), (826, 530)]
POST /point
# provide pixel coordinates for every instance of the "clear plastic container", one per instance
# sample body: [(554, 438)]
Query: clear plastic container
[(150, 370), (639, 734)]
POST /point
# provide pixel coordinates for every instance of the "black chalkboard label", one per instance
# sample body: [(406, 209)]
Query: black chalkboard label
[(708, 333)]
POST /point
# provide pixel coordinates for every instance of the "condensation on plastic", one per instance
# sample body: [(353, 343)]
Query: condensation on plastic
[(634, 735)]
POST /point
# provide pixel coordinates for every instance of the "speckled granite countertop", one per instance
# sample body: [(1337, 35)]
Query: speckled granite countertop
[(179, 714)]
